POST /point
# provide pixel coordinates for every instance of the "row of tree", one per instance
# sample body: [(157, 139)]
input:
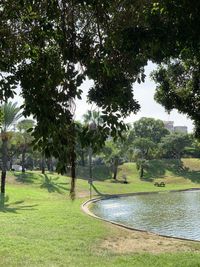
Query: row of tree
[(144, 140), (50, 47), (148, 139)]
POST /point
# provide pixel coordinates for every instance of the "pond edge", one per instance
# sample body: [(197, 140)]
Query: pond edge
[(86, 210)]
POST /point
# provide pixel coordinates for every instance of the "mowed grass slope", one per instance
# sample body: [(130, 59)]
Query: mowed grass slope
[(41, 226), (175, 174)]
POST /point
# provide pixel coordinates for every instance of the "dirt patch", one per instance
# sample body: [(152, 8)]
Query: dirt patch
[(82, 194), (11, 179), (121, 240), (125, 241)]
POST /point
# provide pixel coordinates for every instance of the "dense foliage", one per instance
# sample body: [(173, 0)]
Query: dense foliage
[(51, 47), (179, 87)]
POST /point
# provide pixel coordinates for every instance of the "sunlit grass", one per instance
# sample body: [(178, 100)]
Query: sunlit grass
[(41, 226)]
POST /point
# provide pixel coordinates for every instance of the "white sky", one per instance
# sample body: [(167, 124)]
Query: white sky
[(144, 93)]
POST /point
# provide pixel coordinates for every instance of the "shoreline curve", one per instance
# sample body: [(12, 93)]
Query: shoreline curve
[(86, 204)]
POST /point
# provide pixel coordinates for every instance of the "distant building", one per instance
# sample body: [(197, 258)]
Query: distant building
[(169, 125), (180, 129)]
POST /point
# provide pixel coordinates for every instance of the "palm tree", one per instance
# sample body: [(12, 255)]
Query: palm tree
[(26, 137), (92, 119), (10, 116)]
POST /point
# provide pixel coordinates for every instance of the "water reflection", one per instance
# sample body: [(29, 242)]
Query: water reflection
[(172, 214)]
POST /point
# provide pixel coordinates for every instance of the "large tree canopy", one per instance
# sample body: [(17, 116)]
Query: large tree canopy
[(150, 128), (179, 87), (178, 76), (50, 47)]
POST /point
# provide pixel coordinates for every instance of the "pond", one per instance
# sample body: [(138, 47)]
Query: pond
[(173, 214)]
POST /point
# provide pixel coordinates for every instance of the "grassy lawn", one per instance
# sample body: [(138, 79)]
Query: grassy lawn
[(41, 226)]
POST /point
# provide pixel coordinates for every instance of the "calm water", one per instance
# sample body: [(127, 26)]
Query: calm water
[(173, 214)]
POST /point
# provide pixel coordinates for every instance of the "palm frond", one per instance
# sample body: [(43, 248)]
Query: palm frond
[(11, 113)]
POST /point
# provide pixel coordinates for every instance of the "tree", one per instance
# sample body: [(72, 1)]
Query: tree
[(144, 148), (26, 138), (50, 47), (178, 85), (92, 121), (148, 133), (13, 147), (112, 155), (172, 40), (193, 150), (150, 128), (173, 145), (92, 116), (91, 132), (43, 55), (11, 113)]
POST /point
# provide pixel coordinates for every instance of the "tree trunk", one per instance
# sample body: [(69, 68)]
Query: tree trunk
[(116, 162), (4, 164), (50, 164), (141, 171), (23, 159), (33, 164), (90, 165), (3, 181), (2, 201), (43, 165), (73, 162), (11, 162), (73, 172), (82, 158)]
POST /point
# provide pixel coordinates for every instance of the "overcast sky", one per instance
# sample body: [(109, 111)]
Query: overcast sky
[(144, 93)]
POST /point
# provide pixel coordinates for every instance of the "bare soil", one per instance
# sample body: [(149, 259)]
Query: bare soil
[(128, 241)]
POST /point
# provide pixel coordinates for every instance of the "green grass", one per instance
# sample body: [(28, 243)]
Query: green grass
[(41, 226), (174, 175)]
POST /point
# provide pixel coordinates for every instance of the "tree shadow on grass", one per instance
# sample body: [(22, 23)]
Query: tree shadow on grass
[(13, 207), (119, 181), (177, 167), (47, 182), (99, 172), (52, 185), (158, 168), (194, 176), (155, 169), (97, 191), (28, 178)]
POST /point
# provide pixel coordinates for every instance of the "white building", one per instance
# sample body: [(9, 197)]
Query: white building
[(180, 129), (169, 125)]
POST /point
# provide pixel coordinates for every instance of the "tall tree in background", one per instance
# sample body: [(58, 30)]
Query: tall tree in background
[(173, 145), (150, 128), (92, 116), (11, 113), (112, 155), (92, 120), (144, 148), (26, 138), (148, 134)]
